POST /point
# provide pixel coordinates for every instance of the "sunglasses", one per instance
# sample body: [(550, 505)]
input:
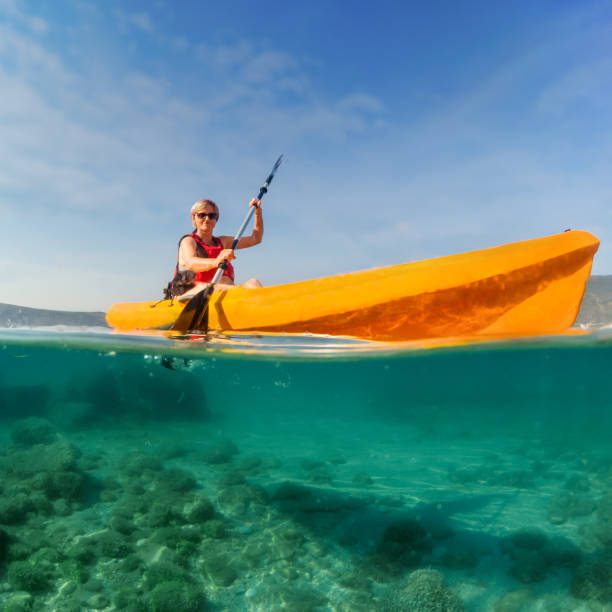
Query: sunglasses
[(211, 216)]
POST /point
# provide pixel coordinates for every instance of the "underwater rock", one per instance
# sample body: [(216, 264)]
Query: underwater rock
[(176, 596), (593, 579), (104, 543), (527, 539), (285, 543), (571, 505), (515, 601), (354, 579), (525, 548), (59, 456), (122, 525), (403, 544), (162, 514), (67, 485), (272, 596), (298, 499), (26, 576), (98, 601), (220, 571), (238, 499), (423, 591), (175, 481), (231, 478), (151, 552), (405, 534), (113, 545), (165, 572), (14, 508), (222, 452), (198, 510), (172, 450), (250, 465), (33, 430), (174, 537), (135, 463), (604, 519), (93, 585), (129, 599), (562, 553), (74, 572), (131, 504), (215, 528), (4, 544), (19, 602), (109, 490), (291, 492), (528, 566)]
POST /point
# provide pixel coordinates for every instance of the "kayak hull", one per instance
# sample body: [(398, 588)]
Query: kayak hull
[(523, 288)]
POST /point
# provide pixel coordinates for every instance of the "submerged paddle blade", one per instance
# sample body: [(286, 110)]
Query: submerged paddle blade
[(192, 313), (201, 323)]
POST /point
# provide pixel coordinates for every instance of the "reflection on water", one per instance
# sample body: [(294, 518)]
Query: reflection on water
[(304, 473)]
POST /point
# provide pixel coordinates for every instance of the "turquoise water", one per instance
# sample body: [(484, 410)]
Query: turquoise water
[(304, 473)]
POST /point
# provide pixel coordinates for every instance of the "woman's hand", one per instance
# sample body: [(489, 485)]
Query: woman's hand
[(225, 254), (257, 203)]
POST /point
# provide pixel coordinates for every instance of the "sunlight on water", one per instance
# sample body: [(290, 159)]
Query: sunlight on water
[(304, 473)]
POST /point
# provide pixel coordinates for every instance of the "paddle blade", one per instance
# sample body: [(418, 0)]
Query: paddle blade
[(191, 316)]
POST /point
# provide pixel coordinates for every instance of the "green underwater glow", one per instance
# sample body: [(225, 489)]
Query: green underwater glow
[(303, 474)]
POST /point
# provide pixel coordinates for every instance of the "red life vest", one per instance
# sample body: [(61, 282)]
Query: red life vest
[(210, 252)]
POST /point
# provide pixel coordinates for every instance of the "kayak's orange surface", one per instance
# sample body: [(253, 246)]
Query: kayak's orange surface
[(523, 288)]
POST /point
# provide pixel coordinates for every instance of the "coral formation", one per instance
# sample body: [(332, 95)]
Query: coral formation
[(423, 591)]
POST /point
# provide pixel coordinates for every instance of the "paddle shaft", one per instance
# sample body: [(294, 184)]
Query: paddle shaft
[(263, 190), (199, 303)]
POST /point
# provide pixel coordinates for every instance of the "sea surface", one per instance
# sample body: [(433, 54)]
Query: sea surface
[(304, 473)]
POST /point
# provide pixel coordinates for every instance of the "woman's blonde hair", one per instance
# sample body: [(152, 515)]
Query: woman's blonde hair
[(201, 205)]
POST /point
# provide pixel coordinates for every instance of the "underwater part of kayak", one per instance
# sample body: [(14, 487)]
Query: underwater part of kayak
[(523, 288)]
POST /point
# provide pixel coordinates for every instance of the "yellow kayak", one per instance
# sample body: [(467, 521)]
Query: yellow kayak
[(523, 288)]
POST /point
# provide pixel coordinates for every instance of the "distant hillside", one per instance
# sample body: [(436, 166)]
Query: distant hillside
[(596, 311), (20, 316)]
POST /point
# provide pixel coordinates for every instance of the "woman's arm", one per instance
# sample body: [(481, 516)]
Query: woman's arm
[(256, 235), (188, 258)]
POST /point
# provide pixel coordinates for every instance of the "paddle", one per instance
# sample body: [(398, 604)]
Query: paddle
[(195, 314)]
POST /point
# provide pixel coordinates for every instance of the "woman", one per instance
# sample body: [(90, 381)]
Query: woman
[(201, 253)]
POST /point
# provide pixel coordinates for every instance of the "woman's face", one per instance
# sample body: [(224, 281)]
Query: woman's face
[(205, 218)]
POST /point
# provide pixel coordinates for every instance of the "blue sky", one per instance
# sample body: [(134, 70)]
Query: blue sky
[(410, 130)]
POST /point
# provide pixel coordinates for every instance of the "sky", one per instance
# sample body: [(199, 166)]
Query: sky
[(409, 130)]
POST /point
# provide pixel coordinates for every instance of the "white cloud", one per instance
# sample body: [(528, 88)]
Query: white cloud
[(14, 10), (230, 55), (268, 65), (142, 21), (361, 102), (588, 83)]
